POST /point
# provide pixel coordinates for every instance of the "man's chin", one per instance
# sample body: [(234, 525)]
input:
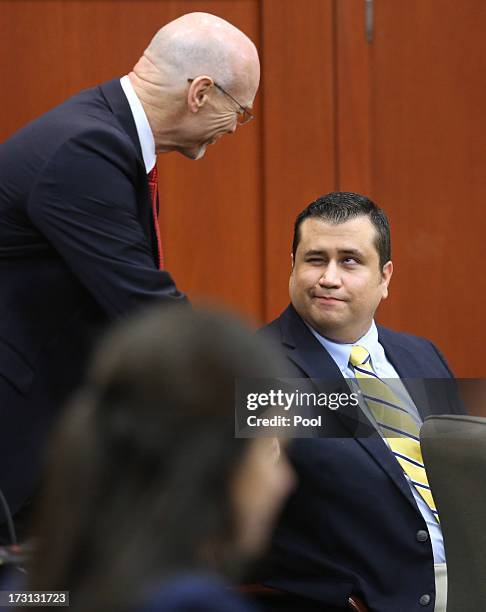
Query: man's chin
[(201, 152), (196, 153)]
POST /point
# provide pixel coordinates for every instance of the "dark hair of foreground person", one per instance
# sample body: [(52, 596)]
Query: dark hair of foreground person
[(146, 480)]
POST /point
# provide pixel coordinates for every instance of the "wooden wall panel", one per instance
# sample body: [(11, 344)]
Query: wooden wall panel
[(213, 228), (429, 133), (426, 129), (298, 118), (210, 209), (51, 49), (400, 119), (354, 98)]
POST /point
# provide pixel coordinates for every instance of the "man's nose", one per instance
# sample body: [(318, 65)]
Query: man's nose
[(330, 276)]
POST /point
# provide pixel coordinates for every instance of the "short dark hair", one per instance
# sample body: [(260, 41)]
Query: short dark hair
[(340, 206)]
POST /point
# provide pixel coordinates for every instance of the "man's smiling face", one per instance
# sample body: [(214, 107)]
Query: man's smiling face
[(336, 282)]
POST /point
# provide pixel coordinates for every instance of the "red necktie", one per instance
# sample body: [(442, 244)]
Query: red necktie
[(153, 188)]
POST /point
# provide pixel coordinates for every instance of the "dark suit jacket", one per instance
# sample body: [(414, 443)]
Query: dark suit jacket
[(352, 525), (77, 248)]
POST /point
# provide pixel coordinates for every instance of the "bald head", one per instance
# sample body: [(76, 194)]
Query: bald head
[(179, 79), (203, 44)]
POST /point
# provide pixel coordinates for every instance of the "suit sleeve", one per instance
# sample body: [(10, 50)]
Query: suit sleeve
[(85, 204)]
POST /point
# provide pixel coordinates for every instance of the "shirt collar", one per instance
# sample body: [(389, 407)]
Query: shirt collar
[(144, 131), (341, 352)]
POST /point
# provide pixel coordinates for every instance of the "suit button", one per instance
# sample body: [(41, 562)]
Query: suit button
[(422, 535), (424, 600)]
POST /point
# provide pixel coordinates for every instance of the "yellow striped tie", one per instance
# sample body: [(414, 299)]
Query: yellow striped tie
[(396, 425)]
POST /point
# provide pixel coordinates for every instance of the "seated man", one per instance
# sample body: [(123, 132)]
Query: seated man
[(362, 520)]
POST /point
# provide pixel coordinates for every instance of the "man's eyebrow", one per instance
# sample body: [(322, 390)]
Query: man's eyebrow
[(351, 252), (341, 252)]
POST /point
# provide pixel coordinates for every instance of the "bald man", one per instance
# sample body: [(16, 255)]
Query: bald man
[(79, 241)]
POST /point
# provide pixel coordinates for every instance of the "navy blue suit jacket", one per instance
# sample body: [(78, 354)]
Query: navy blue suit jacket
[(351, 526), (77, 248)]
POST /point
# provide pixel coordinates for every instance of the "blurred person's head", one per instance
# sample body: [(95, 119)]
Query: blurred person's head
[(197, 81), (341, 264), (146, 478)]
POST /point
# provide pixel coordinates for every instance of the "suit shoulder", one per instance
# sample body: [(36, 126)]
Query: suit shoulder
[(417, 345), (276, 329), (403, 338), (270, 330), (95, 147), (85, 117)]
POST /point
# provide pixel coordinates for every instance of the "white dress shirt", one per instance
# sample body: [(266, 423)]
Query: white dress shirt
[(144, 131), (340, 354)]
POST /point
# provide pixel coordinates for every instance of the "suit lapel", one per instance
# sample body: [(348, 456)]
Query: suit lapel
[(118, 103), (308, 354), (410, 372), (312, 358)]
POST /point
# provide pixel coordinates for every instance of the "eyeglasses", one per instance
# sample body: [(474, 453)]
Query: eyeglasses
[(244, 115)]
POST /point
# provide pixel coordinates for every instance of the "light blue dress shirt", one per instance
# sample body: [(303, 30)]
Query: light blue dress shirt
[(340, 354)]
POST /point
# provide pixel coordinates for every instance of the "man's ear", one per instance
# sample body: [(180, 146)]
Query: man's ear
[(386, 275), (198, 92)]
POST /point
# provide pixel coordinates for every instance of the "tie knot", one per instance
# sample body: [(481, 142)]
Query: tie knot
[(358, 355)]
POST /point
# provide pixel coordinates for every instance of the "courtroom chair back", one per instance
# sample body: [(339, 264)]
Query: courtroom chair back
[(454, 451)]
